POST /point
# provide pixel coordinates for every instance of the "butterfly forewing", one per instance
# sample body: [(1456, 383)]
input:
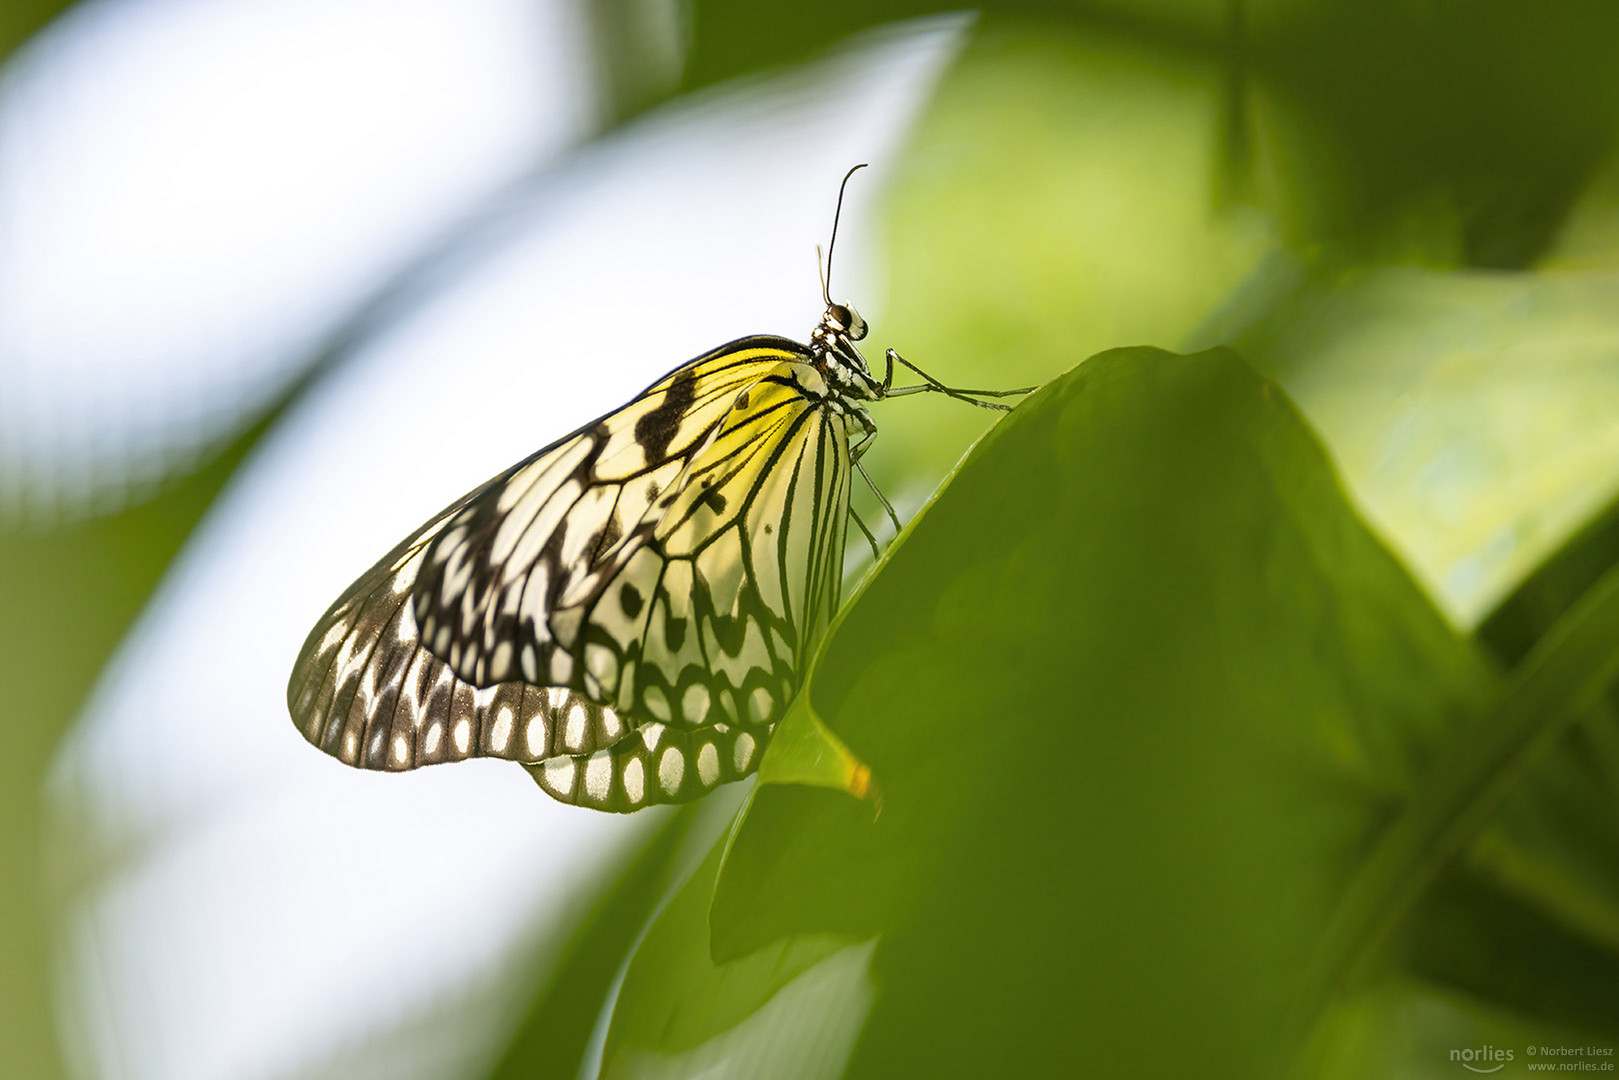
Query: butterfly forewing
[(509, 558), (368, 691), (626, 612), (709, 620)]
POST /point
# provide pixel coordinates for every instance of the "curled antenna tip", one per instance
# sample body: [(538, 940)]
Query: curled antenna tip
[(826, 279)]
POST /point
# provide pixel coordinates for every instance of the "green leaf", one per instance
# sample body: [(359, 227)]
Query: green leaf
[(1563, 679), (1532, 918), (803, 751), (789, 1012), (1474, 935), (1458, 131), (1061, 196), (1475, 416), (1136, 687), (732, 37), (553, 1037)]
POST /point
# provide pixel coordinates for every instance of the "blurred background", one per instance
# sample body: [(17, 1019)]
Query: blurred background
[(280, 278)]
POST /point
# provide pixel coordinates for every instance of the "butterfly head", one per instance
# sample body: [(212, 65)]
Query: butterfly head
[(835, 335), (841, 320), (832, 343)]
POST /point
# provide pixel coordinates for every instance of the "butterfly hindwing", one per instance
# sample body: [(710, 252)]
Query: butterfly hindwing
[(658, 763), (369, 692)]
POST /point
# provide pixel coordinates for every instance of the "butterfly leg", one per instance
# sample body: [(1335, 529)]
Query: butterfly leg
[(888, 507), (858, 448), (858, 451), (870, 539), (932, 385)]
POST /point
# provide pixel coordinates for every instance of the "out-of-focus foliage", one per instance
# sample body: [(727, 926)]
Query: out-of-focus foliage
[(1059, 199), (66, 597), (1477, 411), (20, 18)]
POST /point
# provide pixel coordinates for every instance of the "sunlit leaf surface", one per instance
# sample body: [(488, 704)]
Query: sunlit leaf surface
[(1475, 415)]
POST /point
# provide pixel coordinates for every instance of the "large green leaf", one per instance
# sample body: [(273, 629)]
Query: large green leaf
[(1136, 687)]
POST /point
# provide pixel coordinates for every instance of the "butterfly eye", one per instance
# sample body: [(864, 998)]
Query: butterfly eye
[(850, 320), (856, 325)]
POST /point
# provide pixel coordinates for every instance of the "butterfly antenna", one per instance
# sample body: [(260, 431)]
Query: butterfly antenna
[(820, 268), (826, 282)]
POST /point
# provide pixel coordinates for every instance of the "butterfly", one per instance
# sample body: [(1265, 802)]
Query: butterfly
[(628, 611)]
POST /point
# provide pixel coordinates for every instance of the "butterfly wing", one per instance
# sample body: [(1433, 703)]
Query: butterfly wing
[(700, 632), (513, 623), (498, 569), (368, 691), (708, 615)]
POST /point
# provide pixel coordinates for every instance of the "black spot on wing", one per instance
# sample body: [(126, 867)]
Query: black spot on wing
[(612, 532), (656, 429)]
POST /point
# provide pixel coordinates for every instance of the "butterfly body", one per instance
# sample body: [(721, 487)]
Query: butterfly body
[(628, 611)]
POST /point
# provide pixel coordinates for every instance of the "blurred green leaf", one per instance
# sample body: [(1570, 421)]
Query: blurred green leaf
[(1562, 679), (734, 37), (1589, 237), (1060, 197), (1554, 842), (1408, 1029), (1472, 415), (1135, 687), (789, 1011), (1455, 132), (1475, 415), (554, 1036), (1485, 940), (21, 19), (68, 597), (1532, 920)]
